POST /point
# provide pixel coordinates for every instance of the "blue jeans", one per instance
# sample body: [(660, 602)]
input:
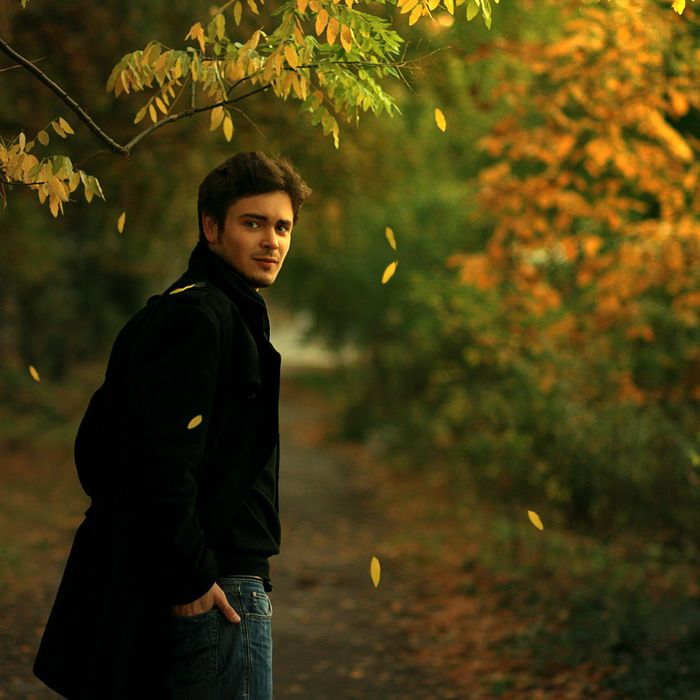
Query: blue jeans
[(207, 657)]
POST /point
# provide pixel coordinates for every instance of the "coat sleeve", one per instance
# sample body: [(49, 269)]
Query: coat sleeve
[(172, 380)]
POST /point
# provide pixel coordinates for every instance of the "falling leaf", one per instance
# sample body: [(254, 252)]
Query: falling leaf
[(389, 271), (34, 373), (440, 119), (375, 571), (182, 289), (194, 422), (120, 222), (389, 233), (535, 519)]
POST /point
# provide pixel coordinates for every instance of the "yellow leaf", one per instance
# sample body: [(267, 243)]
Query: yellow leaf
[(43, 138), (121, 221), (152, 113), (332, 30), (321, 21), (440, 119), (217, 116), (161, 105), (346, 37), (220, 22), (197, 32), (472, 10), (140, 114), (535, 519), (237, 12), (253, 7), (389, 271), (291, 55), (301, 5), (407, 6), (375, 571), (65, 126), (415, 15), (34, 373), (181, 289), (679, 6), (228, 127), (432, 4), (74, 182), (389, 233), (194, 422), (450, 6), (58, 129)]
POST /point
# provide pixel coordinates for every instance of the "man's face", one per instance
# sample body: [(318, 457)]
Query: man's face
[(255, 237)]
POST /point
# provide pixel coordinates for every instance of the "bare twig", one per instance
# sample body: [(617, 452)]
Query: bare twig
[(3, 181), (36, 60), (42, 77)]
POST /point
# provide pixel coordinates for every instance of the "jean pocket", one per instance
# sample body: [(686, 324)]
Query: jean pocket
[(191, 648), (257, 604)]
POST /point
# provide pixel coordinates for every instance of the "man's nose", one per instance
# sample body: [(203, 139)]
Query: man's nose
[(270, 239)]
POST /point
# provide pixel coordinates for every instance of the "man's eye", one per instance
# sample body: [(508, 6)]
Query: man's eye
[(251, 224), (282, 229)]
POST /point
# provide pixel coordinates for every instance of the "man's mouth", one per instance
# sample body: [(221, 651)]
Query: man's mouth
[(267, 260)]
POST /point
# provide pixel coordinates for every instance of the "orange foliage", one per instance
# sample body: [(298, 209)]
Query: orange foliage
[(595, 189)]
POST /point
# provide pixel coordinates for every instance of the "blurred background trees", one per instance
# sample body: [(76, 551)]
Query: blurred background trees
[(540, 337), (539, 344)]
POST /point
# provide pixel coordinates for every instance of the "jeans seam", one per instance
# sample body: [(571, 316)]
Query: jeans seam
[(246, 645)]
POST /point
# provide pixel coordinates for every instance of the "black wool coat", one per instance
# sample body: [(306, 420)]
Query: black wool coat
[(169, 447)]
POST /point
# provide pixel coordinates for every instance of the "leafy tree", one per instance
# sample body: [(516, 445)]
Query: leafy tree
[(328, 55)]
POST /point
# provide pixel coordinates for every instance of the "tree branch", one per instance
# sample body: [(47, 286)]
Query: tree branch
[(42, 77), (189, 113), (126, 149)]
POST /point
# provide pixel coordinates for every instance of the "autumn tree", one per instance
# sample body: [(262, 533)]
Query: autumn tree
[(330, 56)]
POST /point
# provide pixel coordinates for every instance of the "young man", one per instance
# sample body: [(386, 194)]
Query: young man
[(164, 594)]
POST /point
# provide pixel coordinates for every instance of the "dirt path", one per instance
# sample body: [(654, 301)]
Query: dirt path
[(336, 636)]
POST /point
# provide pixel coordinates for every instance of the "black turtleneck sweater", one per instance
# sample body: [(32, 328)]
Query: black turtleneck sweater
[(253, 533)]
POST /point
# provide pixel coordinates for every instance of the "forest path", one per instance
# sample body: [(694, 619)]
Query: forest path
[(336, 636)]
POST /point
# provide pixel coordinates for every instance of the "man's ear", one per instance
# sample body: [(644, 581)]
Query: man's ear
[(210, 227)]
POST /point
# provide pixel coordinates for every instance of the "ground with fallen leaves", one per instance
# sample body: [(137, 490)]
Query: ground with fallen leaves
[(450, 618)]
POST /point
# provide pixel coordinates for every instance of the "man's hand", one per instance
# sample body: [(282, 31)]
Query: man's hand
[(215, 596)]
